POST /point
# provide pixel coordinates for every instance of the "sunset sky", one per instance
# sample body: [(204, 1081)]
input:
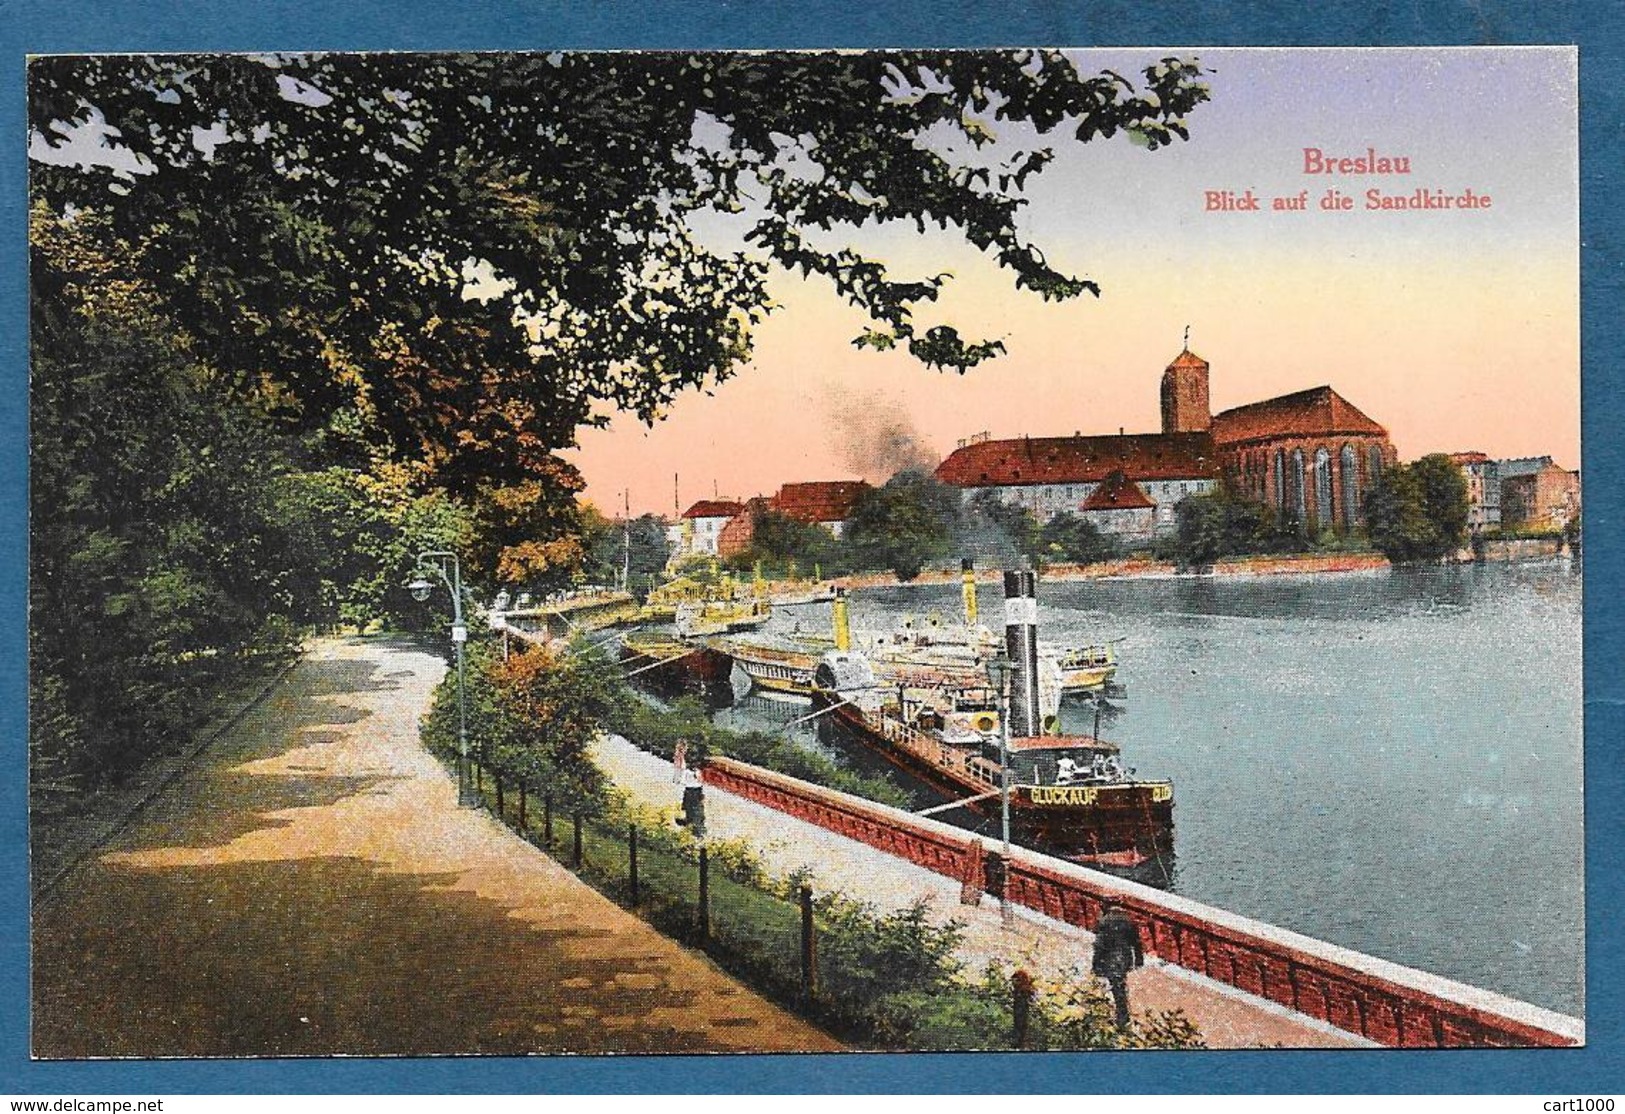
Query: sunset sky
[(1456, 330)]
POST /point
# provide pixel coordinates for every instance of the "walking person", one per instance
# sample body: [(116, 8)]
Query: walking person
[(1117, 952), (693, 817), (679, 759)]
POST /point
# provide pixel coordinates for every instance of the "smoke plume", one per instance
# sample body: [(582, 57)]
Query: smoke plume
[(876, 437)]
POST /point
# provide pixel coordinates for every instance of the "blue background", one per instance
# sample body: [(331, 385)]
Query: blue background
[(133, 25)]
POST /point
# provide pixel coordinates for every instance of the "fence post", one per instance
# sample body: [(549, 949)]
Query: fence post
[(547, 821), (1021, 993), (809, 946), (575, 850), (632, 860), (705, 895)]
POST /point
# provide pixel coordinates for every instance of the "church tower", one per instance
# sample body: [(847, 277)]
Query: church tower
[(1184, 393)]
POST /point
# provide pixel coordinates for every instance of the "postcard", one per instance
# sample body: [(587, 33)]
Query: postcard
[(666, 552)]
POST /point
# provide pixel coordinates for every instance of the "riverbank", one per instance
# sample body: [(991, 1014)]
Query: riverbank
[(1134, 568)]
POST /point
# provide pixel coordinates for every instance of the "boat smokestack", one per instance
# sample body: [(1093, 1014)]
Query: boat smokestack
[(843, 623), (1021, 645), (967, 581)]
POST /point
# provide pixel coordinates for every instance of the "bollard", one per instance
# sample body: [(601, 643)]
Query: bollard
[(632, 860), (1021, 994), (705, 895), (547, 821), (809, 946), (575, 850)]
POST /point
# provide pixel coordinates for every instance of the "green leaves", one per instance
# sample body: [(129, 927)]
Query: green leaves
[(1418, 512), (323, 244)]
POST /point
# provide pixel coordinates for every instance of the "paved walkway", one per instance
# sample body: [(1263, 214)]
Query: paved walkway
[(1227, 1018), (309, 887)]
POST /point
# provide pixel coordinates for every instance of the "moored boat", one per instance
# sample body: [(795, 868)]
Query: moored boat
[(1069, 794)]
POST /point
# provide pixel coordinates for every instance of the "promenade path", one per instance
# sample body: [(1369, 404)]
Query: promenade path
[(309, 886), (1227, 1017)]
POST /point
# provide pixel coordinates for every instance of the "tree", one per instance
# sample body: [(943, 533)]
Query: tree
[(610, 544), (997, 532), (1418, 512), (1225, 523), (781, 543), (462, 258), (1066, 537), (904, 525)]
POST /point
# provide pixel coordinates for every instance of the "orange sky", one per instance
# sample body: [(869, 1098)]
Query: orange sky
[(1455, 330)]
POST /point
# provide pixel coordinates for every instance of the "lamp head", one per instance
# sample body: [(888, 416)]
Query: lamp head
[(998, 669), (420, 588)]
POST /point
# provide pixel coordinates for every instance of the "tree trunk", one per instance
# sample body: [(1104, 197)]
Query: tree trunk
[(521, 804)]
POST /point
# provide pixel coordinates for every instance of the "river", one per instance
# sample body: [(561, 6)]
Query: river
[(1390, 761)]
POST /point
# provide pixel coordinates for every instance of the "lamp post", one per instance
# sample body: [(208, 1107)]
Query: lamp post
[(998, 675), (435, 561)]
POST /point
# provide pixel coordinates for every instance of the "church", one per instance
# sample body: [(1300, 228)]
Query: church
[(1310, 455)]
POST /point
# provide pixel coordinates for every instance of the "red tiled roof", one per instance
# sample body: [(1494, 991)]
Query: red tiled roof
[(1188, 358), (1060, 460), (1117, 493), (819, 500), (713, 508), (1468, 458), (1316, 412)]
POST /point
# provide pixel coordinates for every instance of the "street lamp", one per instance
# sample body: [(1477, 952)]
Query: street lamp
[(999, 669), (420, 587)]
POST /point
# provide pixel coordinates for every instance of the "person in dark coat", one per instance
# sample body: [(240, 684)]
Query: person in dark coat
[(693, 817), (1117, 952)]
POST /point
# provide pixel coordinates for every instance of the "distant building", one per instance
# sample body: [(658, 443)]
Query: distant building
[(1546, 498), (1119, 509), (1529, 491), (1477, 470), (701, 525), (1311, 455), (1049, 475), (826, 503)]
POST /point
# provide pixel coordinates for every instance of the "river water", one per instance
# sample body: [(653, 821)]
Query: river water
[(1390, 761)]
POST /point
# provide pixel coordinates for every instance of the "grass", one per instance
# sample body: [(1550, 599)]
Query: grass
[(884, 981)]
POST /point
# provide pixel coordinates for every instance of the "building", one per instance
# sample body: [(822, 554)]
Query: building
[(1119, 509), (700, 527), (1527, 491), (1049, 475), (1311, 455), (826, 503), (1543, 499), (1476, 471)]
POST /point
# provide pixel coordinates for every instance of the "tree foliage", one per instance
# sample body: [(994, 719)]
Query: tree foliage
[(1226, 523), (638, 548), (1068, 537), (903, 525), (783, 545), (1418, 512), (467, 256)]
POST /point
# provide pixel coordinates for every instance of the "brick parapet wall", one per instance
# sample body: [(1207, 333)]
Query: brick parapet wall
[(1382, 1001)]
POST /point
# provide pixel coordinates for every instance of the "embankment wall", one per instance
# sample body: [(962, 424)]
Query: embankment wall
[(1381, 1001)]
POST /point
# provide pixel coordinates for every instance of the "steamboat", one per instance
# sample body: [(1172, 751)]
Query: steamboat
[(1069, 795)]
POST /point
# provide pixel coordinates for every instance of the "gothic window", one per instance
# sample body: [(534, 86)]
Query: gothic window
[(1293, 510), (1374, 468), (1323, 488), (1280, 483), (1350, 470)]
